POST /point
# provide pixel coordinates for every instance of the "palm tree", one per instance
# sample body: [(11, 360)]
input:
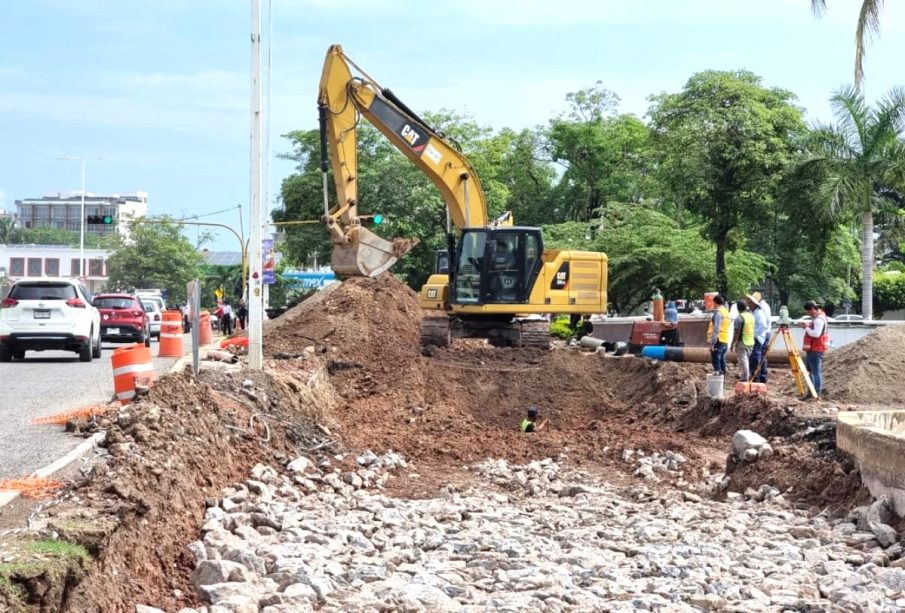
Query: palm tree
[(868, 26), (861, 161)]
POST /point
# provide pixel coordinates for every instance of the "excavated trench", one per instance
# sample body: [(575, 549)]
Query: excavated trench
[(345, 373)]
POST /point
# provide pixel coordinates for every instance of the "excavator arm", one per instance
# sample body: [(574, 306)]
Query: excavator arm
[(345, 98)]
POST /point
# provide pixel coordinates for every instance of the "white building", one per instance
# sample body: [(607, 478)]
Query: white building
[(65, 211), (17, 261)]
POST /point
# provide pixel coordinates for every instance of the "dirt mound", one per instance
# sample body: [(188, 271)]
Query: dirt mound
[(868, 371), (137, 510), (358, 320)]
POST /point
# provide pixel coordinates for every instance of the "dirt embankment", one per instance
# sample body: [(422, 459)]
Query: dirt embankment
[(349, 359), (868, 371)]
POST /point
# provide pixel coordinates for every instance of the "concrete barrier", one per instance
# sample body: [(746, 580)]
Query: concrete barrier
[(876, 439)]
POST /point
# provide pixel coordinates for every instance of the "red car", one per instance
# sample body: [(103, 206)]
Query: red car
[(123, 318)]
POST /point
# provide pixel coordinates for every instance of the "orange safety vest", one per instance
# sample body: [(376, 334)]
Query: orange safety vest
[(820, 343)]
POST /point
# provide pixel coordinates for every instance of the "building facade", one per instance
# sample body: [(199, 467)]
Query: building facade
[(65, 211), (17, 261)]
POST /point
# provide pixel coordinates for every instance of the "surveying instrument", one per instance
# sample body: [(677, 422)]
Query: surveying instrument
[(799, 370)]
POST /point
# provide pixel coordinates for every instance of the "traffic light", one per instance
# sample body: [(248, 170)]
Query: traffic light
[(372, 220), (100, 220)]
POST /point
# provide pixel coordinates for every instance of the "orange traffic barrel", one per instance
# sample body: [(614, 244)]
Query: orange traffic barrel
[(171, 335), (205, 333), (129, 363), (709, 304)]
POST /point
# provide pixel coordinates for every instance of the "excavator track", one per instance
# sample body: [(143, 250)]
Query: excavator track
[(525, 334), (435, 331), (535, 334)]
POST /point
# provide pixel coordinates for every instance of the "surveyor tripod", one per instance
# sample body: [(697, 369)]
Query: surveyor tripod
[(799, 370)]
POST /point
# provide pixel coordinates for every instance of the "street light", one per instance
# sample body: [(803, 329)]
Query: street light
[(82, 217)]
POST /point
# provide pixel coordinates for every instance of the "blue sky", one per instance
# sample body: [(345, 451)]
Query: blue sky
[(161, 87)]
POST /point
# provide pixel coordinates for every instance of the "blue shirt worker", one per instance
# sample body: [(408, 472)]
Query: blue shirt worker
[(762, 327)]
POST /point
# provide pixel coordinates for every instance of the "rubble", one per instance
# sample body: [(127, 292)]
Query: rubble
[(357, 550)]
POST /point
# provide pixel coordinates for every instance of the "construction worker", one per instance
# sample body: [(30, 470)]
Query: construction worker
[(533, 422), (744, 339), (762, 327), (670, 334), (718, 334), (816, 342)]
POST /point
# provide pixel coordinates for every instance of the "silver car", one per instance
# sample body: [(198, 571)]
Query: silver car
[(152, 308)]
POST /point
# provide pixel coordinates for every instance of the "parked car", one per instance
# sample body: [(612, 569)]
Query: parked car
[(152, 308), (849, 317), (153, 297), (807, 318), (49, 313), (123, 319)]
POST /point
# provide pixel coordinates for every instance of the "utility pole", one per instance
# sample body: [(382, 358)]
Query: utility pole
[(255, 265), (82, 272)]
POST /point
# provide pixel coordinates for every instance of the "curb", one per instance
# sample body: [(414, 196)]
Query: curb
[(7, 496)]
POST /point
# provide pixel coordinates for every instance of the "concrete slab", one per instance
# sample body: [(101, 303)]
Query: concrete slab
[(876, 439)]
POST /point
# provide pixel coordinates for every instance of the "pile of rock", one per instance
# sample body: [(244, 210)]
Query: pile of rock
[(668, 463), (306, 540)]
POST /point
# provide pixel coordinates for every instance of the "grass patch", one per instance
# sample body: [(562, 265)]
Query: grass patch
[(45, 560), (58, 549)]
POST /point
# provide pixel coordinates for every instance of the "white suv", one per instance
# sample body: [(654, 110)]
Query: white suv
[(49, 313)]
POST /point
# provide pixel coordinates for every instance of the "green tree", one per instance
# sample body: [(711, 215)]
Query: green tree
[(647, 249), (889, 290), (157, 255), (868, 26), (47, 235), (227, 278), (725, 143), (606, 156), (861, 162), (528, 177), (9, 233)]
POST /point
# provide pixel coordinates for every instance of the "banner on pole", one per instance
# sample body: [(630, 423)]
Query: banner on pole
[(268, 274)]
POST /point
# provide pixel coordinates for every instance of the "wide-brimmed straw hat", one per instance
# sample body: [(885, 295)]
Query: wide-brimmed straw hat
[(754, 298)]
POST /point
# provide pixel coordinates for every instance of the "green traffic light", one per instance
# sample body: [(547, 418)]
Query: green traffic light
[(108, 219), (378, 219)]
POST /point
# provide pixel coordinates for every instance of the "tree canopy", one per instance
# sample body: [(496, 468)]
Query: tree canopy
[(157, 255)]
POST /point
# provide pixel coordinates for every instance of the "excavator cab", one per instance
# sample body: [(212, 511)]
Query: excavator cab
[(496, 265)]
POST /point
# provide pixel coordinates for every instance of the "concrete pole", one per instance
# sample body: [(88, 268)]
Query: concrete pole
[(255, 264), (82, 272)]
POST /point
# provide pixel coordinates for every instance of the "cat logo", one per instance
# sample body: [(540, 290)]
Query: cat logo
[(432, 294), (410, 135), (561, 278)]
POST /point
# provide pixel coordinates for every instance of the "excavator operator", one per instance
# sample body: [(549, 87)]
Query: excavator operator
[(502, 256)]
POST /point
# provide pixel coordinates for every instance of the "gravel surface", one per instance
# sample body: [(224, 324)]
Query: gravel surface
[(47, 383), (530, 538)]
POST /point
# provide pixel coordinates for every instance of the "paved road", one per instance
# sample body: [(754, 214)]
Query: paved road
[(47, 383)]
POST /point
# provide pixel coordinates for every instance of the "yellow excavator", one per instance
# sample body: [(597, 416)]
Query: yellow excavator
[(496, 280)]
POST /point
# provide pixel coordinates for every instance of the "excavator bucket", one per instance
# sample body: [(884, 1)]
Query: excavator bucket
[(369, 255)]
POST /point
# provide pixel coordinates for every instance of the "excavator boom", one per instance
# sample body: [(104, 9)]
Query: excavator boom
[(344, 98)]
